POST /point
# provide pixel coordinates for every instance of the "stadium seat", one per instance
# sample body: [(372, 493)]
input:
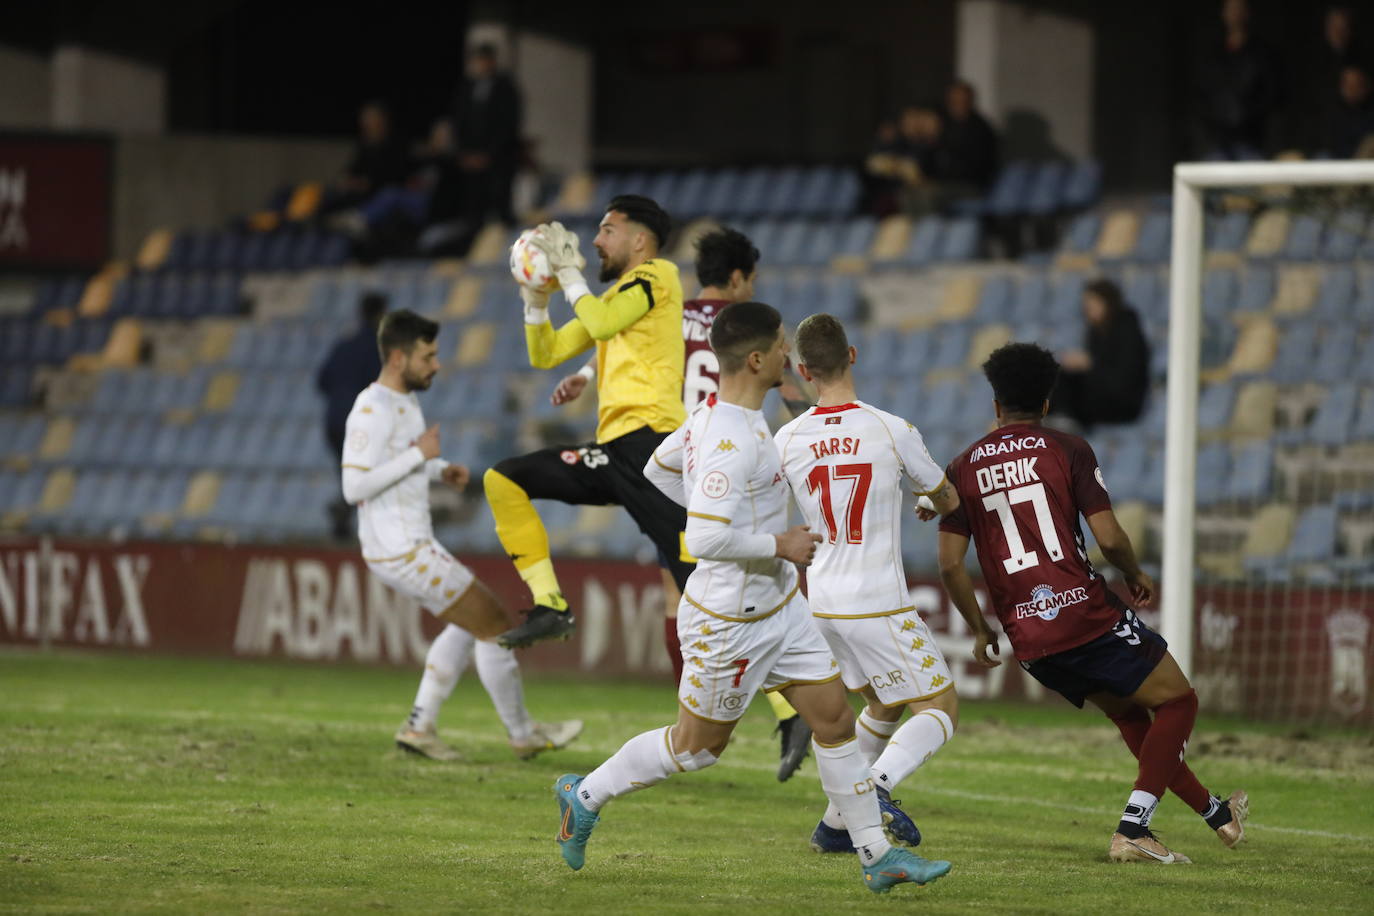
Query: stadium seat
[(1334, 423), (1214, 406), (1268, 234), (1118, 236), (1251, 473), (1045, 196), (1314, 535), (1267, 537), (1082, 187), (1344, 235), (1336, 295), (1227, 232), (1010, 191)]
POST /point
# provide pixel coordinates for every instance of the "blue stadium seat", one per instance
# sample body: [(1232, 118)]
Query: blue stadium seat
[(995, 299), (1046, 194), (1334, 422), (1214, 406), (961, 240), (1363, 430), (924, 244), (1251, 473), (1031, 301), (784, 192), (1297, 347), (1083, 187), (1256, 289), (1081, 237), (855, 237), (721, 189), (1213, 462), (1344, 235), (1228, 231), (1065, 301), (951, 346), (752, 193), (1010, 190), (1304, 239), (1335, 359), (1152, 245), (1336, 294), (1314, 535)]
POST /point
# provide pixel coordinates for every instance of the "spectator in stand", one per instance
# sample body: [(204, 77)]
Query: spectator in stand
[(1107, 381), (353, 363), (487, 122), (964, 158), (881, 179), (1341, 48), (1240, 88), (1351, 125), (903, 159), (379, 160)]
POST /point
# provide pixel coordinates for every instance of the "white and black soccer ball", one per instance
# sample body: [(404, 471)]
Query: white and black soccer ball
[(530, 266)]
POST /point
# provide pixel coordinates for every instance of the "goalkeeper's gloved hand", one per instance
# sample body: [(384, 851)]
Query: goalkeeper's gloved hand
[(536, 305), (561, 247)]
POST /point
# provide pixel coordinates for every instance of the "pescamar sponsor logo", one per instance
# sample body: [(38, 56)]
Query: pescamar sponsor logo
[(1045, 602)]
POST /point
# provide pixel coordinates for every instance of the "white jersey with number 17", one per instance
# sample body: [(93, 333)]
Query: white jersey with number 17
[(847, 466)]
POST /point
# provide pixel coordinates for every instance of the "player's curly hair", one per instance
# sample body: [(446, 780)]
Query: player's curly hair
[(721, 252), (646, 212), (1022, 376), (742, 328)]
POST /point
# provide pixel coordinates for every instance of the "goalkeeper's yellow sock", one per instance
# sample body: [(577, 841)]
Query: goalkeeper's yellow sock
[(523, 537), (781, 708)]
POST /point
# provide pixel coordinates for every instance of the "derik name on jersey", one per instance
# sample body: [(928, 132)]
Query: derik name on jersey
[(848, 445), (1007, 474), (991, 449)]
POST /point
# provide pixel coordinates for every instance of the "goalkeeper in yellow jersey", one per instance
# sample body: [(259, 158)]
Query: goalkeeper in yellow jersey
[(636, 328)]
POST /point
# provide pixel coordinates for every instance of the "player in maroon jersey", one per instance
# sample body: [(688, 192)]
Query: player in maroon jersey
[(1022, 488), (726, 267)]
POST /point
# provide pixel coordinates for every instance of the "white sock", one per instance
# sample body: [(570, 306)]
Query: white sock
[(844, 777), (445, 663), (500, 674), (872, 735), (643, 761), (1140, 808), (913, 744)]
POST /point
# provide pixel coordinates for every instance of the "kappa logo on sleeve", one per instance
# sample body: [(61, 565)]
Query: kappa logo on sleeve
[(726, 445), (715, 484)]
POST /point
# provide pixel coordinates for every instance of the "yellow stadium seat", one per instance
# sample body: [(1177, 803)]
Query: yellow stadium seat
[(490, 245), (1256, 347), (577, 194), (122, 349), (1256, 406), (201, 494), (1298, 287), (1268, 234), (1119, 233), (960, 299), (100, 290), (305, 201), (153, 253), (1270, 531), (221, 391), (474, 347), (57, 490), (890, 241), (988, 338), (57, 438), (217, 339), (463, 298)]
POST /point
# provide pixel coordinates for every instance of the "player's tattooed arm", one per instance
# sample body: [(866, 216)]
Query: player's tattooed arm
[(953, 548), (943, 500)]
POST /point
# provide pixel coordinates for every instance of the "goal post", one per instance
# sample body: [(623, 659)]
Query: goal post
[(1191, 180)]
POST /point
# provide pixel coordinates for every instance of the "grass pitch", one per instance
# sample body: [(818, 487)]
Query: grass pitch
[(150, 784)]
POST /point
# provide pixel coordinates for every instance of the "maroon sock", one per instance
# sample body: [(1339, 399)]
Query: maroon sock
[(674, 647), (1134, 724), (1161, 753)]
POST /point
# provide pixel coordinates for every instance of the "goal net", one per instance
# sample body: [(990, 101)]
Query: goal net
[(1266, 535)]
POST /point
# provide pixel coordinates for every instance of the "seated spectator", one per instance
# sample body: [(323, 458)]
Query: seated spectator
[(1107, 381), (379, 159), (903, 159), (964, 158), (1352, 121), (1239, 89), (1341, 48)]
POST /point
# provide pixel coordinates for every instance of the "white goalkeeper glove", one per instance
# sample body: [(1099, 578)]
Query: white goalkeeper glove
[(561, 247), (536, 305)]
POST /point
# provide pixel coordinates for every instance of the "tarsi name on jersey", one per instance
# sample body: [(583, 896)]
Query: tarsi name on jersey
[(835, 446)]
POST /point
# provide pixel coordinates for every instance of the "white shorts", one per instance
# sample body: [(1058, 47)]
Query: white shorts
[(431, 575), (894, 654), (726, 662)]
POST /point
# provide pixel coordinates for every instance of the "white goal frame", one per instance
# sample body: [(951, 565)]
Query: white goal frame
[(1185, 334)]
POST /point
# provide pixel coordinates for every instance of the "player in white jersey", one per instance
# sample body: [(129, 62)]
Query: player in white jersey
[(726, 267), (848, 464), (744, 625), (389, 460)]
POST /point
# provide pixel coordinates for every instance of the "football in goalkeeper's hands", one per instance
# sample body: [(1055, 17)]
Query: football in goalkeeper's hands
[(530, 266)]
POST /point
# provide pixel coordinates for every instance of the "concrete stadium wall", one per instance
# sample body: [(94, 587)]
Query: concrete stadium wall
[(200, 181)]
